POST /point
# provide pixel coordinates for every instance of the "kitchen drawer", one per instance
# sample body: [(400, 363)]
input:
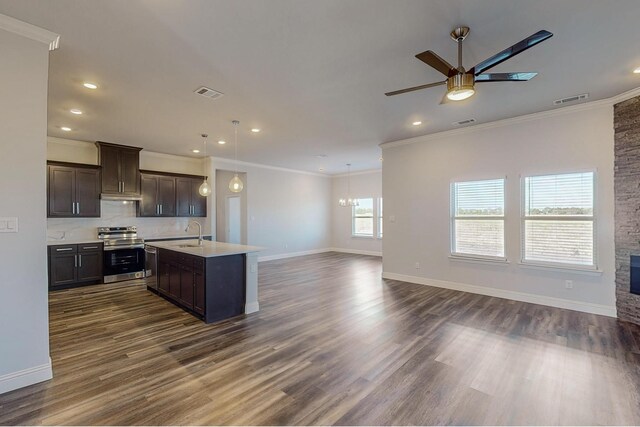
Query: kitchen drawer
[(89, 247), (62, 249)]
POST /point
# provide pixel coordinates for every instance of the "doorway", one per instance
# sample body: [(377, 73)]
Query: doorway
[(233, 215)]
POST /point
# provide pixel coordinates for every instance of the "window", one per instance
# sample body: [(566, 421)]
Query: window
[(380, 217), (477, 218), (558, 219), (362, 218)]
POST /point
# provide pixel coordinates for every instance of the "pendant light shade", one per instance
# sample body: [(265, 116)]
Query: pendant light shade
[(236, 185), (205, 188)]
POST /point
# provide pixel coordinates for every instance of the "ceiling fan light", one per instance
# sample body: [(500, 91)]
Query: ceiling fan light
[(460, 86)]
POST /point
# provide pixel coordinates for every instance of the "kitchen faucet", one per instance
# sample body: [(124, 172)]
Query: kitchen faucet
[(199, 231)]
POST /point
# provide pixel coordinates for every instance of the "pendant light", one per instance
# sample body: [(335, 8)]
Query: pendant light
[(205, 188), (236, 185), (348, 201)]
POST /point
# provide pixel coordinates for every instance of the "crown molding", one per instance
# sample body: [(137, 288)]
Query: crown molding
[(607, 102), (365, 172), (258, 165), (30, 31)]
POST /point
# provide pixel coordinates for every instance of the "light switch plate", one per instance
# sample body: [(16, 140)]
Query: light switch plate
[(8, 224)]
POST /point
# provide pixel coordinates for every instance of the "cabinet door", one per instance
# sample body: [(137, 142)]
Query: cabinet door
[(174, 280), (186, 286), (184, 188), (129, 171), (167, 195), (61, 189), (163, 276), (88, 192), (198, 202), (89, 266), (148, 206), (110, 162), (198, 291), (62, 265)]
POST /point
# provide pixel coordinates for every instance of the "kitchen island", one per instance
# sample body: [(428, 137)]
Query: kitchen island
[(211, 280)]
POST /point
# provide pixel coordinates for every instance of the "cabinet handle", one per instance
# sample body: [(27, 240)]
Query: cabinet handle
[(64, 249), (160, 209), (89, 247), (73, 208), (78, 208), (157, 210), (80, 260), (123, 186), (75, 260)]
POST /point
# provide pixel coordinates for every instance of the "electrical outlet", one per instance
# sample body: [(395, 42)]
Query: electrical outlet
[(568, 284), (286, 246), (417, 266), (9, 225), (253, 268)]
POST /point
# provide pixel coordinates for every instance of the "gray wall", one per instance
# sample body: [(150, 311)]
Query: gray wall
[(416, 180), (24, 332), (221, 193), (627, 191)]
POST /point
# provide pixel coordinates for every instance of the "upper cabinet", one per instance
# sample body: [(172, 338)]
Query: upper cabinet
[(189, 200), (73, 190), (120, 170), (158, 195)]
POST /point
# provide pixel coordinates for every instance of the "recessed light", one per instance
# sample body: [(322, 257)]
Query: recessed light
[(75, 111), (417, 123), (636, 71), (196, 151), (89, 85), (221, 142), (255, 130), (66, 129)]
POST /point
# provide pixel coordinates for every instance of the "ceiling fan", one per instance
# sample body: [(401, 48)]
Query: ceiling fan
[(461, 83)]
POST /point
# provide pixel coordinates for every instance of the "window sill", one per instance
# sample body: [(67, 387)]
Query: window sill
[(562, 269), (476, 260), (361, 237)]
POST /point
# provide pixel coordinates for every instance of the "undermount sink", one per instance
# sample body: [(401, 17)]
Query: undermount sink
[(190, 245)]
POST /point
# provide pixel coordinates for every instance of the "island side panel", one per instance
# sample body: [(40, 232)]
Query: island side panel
[(252, 305), (225, 290)]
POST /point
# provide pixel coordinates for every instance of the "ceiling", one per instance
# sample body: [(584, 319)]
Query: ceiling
[(312, 74)]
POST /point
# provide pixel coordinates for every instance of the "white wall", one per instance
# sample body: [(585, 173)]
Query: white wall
[(24, 329), (221, 193), (287, 211), (566, 140), (115, 213), (363, 184)]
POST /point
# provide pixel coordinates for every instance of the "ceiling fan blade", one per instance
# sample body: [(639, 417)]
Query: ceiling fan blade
[(512, 51), (505, 77), (412, 89), (433, 60)]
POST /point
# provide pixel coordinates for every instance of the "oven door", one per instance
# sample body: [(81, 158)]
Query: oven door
[(123, 263)]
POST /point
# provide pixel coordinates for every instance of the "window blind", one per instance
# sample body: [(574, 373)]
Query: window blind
[(478, 218), (559, 219)]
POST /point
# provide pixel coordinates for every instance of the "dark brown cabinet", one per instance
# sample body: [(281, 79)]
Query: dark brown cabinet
[(75, 265), (120, 169), (189, 200), (212, 288), (158, 195), (73, 190)]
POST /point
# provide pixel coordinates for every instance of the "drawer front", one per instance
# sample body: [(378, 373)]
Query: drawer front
[(63, 249), (89, 247)]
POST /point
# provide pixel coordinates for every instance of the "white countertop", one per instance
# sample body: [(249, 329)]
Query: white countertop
[(52, 242), (207, 250)]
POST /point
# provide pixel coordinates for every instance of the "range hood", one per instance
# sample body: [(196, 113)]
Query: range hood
[(120, 197)]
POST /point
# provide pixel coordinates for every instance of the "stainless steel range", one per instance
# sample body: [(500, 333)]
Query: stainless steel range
[(123, 253)]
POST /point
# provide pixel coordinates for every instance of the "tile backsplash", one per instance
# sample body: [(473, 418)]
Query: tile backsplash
[(116, 214)]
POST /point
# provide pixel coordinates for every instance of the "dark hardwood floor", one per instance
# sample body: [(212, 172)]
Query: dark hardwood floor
[(332, 344)]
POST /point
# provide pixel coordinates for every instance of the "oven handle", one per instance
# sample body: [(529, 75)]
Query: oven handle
[(116, 248)]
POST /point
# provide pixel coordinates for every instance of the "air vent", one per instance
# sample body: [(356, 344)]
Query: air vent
[(208, 92), (573, 98), (464, 122)]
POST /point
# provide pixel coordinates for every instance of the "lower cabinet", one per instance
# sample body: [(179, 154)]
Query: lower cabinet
[(211, 288), (75, 265)]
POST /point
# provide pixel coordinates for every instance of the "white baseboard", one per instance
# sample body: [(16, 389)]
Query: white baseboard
[(585, 307), (25, 377), (293, 254), (356, 251), (251, 307)]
